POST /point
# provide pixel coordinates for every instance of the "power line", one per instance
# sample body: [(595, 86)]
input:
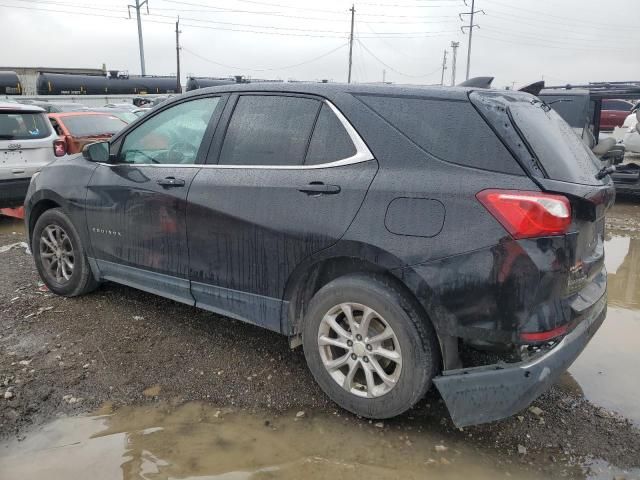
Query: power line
[(393, 69), (272, 27), (579, 43), (285, 67), (70, 12), (510, 40), (565, 19)]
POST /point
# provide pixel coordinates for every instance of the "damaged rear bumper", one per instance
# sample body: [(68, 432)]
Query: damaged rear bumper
[(484, 394)]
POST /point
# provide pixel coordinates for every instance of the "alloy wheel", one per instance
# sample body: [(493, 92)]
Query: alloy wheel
[(360, 350), (56, 252)]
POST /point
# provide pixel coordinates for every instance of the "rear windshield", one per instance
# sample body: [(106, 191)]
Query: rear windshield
[(560, 151), (93, 125), (553, 146), (23, 126)]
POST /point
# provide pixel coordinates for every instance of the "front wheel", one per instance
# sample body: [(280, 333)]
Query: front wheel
[(60, 256), (368, 346)]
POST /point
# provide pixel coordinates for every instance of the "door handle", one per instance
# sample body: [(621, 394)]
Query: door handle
[(319, 188), (171, 182)]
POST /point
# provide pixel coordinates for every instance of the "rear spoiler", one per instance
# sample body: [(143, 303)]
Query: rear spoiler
[(477, 82), (533, 88)]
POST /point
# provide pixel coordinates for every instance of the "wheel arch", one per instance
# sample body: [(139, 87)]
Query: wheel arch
[(37, 209), (308, 279)]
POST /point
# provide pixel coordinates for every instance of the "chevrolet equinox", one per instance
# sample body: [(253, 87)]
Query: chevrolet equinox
[(385, 229)]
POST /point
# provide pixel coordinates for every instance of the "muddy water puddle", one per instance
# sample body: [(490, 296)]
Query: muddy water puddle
[(197, 441), (607, 371)]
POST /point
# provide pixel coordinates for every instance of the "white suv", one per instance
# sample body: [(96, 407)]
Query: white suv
[(27, 143)]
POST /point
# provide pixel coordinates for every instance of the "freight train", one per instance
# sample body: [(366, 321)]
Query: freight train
[(114, 84), (10, 83), (194, 83)]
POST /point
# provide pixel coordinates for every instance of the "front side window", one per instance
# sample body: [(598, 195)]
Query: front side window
[(173, 136), (23, 126), (269, 130)]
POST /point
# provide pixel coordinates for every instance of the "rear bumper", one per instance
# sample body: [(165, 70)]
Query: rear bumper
[(13, 192), (488, 393)]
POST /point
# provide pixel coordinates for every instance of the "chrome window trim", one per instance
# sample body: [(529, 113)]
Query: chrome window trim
[(363, 154)]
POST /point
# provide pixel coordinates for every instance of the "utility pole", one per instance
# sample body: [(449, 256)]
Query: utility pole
[(471, 26), (138, 6), (444, 66), (353, 14), (454, 47), (178, 86), (384, 75)]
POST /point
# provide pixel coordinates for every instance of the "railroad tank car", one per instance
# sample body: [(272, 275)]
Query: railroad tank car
[(68, 84), (194, 83), (10, 83)]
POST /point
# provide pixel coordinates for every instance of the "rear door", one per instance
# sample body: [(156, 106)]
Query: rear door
[(285, 179)]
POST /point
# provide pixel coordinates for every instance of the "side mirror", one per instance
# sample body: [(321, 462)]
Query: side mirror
[(96, 152)]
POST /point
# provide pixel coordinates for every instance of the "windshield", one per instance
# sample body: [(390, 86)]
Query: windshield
[(23, 126), (560, 151), (93, 125), (127, 117)]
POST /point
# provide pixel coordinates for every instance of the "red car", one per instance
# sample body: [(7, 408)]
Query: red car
[(613, 113), (77, 129)]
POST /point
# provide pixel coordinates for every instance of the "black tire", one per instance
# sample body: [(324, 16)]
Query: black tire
[(81, 280), (417, 340)]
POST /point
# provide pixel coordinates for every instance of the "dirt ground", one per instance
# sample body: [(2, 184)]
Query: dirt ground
[(124, 347)]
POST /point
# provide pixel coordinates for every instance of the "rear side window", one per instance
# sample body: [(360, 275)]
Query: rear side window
[(23, 126), (90, 125), (269, 130), (449, 130), (330, 142)]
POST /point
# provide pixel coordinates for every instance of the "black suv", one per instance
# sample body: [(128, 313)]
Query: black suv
[(385, 229)]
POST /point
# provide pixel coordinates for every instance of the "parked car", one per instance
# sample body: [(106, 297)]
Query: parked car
[(77, 129), (57, 107), (125, 115), (122, 106), (383, 228), (613, 113), (27, 143)]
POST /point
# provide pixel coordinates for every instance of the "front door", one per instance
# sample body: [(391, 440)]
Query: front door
[(136, 206), (289, 181)]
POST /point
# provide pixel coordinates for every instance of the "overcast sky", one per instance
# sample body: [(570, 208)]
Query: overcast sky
[(518, 40)]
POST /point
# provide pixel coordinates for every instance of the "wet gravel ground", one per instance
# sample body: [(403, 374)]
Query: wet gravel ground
[(124, 347)]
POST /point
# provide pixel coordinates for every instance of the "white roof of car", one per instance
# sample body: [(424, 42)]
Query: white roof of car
[(20, 107)]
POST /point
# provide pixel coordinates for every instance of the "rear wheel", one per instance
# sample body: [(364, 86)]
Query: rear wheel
[(59, 255), (368, 346)]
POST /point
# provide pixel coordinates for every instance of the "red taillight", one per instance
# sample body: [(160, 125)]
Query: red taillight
[(544, 336), (528, 214), (59, 148)]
